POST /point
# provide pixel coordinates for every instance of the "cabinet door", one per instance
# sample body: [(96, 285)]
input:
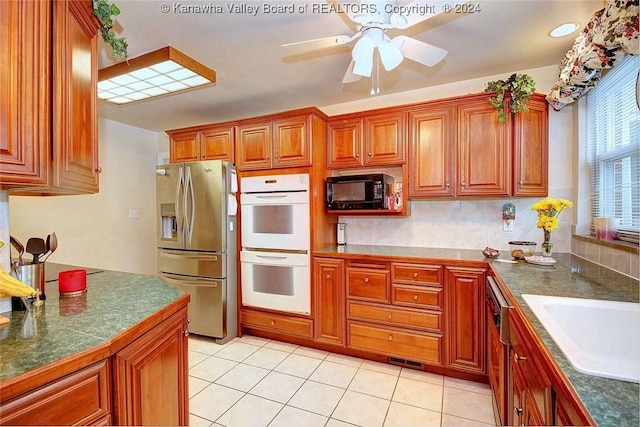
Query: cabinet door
[(484, 154), (184, 147), (75, 96), (291, 142), (432, 153), (329, 301), (385, 140), (217, 144), (253, 148), (25, 126), (150, 376), (345, 144), (531, 149), (465, 307)]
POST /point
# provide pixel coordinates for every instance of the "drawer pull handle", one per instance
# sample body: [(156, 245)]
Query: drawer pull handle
[(415, 297), (390, 315), (390, 337), (328, 276), (273, 322), (366, 280), (519, 358), (415, 275)]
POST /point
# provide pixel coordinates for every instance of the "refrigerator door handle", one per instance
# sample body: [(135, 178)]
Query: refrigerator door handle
[(179, 218), (189, 187)]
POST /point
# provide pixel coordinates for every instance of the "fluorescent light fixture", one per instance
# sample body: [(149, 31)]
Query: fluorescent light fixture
[(160, 72), (563, 30)]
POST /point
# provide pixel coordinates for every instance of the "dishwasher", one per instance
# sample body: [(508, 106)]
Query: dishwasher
[(498, 348)]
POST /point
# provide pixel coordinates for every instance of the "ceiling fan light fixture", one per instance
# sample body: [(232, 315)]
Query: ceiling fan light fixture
[(390, 55), (160, 72), (362, 55)]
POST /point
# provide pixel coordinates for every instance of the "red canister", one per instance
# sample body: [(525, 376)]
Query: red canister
[(72, 282)]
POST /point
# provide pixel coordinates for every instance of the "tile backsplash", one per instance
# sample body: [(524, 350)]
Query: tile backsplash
[(624, 261)]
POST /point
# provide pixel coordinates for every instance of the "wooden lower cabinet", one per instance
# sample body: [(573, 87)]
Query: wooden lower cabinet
[(279, 323), (151, 376), (82, 398), (329, 301)]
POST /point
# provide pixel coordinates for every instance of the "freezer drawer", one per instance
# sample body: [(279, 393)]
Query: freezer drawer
[(207, 308), (192, 263)]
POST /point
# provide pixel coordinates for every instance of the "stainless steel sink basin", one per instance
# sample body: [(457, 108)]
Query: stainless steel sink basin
[(598, 337)]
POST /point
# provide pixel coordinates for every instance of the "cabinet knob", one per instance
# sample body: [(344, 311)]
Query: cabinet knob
[(518, 358), (415, 297), (390, 337), (366, 280), (415, 275), (273, 322), (186, 332), (99, 169), (518, 411), (520, 183), (464, 183), (448, 184), (328, 276), (390, 315), (357, 154)]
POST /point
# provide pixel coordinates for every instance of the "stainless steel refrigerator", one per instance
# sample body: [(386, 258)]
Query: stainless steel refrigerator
[(196, 205)]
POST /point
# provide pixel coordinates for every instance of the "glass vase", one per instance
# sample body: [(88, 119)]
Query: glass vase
[(547, 245)]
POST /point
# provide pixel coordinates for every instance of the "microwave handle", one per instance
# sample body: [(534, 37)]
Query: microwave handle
[(329, 194)]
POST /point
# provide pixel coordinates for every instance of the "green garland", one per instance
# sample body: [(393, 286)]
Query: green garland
[(520, 86), (105, 11)]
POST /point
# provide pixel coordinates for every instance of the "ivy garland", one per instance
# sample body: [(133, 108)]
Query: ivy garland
[(520, 86), (105, 11)]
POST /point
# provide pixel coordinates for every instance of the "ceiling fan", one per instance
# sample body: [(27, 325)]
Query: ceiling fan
[(373, 18)]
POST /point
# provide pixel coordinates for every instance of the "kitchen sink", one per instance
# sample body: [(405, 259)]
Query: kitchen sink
[(598, 337)]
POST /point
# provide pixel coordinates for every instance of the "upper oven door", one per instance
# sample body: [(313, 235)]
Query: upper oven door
[(275, 220)]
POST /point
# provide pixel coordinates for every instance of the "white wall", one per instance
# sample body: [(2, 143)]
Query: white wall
[(95, 230), (463, 223)]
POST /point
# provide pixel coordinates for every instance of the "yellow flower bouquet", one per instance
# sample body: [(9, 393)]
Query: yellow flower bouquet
[(548, 212)]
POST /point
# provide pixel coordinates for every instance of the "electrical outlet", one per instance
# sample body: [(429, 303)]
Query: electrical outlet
[(507, 225)]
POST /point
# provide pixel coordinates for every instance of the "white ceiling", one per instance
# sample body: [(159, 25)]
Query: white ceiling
[(255, 77)]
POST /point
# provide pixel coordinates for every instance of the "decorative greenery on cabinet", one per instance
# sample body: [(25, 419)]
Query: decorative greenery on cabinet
[(520, 86), (105, 11)]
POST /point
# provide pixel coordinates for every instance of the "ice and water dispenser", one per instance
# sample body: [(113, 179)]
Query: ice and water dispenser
[(169, 224)]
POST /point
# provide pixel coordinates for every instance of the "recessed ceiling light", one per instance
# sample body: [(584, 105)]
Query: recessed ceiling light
[(563, 30), (160, 72)]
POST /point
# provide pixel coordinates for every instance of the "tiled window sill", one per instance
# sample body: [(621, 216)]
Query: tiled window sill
[(616, 244)]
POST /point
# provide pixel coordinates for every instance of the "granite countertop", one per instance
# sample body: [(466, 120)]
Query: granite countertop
[(610, 402), (61, 327)]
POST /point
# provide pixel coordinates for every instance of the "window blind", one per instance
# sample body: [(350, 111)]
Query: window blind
[(613, 122)]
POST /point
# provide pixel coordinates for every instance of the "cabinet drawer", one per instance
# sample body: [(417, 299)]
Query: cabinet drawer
[(417, 274), (368, 284), (420, 347), (277, 323), (81, 398), (404, 317), (417, 296)]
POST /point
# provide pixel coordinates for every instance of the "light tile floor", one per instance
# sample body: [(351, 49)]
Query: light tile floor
[(252, 381)]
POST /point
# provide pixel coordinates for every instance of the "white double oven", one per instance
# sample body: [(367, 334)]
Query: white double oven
[(275, 255)]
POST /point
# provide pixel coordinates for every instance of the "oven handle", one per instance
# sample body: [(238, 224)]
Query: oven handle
[(271, 258)]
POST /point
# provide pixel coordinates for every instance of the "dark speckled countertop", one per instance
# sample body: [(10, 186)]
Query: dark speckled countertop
[(61, 327), (610, 402)]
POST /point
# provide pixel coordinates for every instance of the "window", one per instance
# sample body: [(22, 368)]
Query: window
[(613, 123)]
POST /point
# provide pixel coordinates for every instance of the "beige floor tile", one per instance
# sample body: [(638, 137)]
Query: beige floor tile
[(266, 358), (212, 368), (249, 339), (195, 358), (196, 385), (467, 385), (373, 383), (468, 404), (344, 360), (311, 352), (242, 377), (451, 421), (299, 366), (381, 367), (294, 417), (361, 409), (198, 422), (277, 386), (237, 351), (281, 346), (422, 376), (418, 393), (318, 398), (334, 374), (204, 345), (251, 411), (402, 415), (337, 423), (213, 401)]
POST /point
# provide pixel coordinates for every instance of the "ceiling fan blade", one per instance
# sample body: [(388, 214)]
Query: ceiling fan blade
[(390, 55), (355, 11), (316, 44), (418, 51), (417, 11), (349, 77), (362, 55)]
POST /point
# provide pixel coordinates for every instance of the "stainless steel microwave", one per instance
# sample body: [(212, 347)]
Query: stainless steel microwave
[(371, 191)]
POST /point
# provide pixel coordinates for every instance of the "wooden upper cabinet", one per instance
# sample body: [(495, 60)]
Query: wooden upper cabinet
[(50, 105), (531, 149), (432, 152), (484, 150), (375, 140), (279, 143), (184, 147), (211, 143)]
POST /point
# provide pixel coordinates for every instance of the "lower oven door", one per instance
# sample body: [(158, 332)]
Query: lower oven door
[(276, 280)]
